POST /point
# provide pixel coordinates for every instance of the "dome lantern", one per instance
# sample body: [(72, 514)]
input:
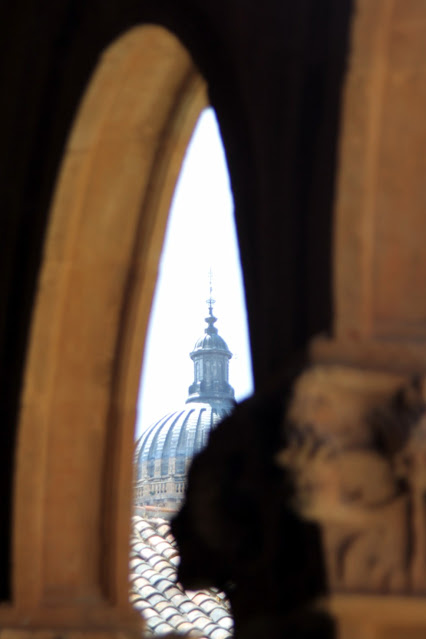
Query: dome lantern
[(211, 357)]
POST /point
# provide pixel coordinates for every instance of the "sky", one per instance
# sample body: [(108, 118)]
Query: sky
[(200, 236)]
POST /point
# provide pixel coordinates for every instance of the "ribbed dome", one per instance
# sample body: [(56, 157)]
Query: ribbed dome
[(211, 342), (166, 446)]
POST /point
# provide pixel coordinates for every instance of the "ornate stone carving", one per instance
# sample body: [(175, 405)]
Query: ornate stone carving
[(355, 497), (361, 475)]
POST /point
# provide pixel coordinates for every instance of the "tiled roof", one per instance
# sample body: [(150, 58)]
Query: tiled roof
[(165, 606)]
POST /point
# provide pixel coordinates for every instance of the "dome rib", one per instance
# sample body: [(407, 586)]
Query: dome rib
[(199, 431)]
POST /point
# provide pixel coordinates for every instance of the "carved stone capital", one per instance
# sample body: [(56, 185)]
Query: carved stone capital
[(355, 445)]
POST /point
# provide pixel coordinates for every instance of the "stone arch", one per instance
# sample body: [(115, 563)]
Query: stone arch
[(106, 226)]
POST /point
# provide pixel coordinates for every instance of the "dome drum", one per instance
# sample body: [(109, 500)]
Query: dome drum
[(211, 393)]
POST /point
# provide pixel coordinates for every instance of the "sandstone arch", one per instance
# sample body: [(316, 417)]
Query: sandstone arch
[(75, 438)]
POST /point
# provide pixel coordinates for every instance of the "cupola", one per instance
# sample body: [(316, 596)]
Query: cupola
[(211, 357)]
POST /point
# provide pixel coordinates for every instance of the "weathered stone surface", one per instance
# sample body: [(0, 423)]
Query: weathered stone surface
[(350, 452), (73, 472), (379, 261)]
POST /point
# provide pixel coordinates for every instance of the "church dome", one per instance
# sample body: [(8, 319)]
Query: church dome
[(165, 447)]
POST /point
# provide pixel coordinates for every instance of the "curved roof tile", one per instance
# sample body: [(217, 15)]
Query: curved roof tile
[(161, 600)]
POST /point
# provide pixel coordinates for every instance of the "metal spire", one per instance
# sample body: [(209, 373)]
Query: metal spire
[(211, 319), (210, 301)]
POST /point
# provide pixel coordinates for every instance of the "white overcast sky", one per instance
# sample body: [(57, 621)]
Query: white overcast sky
[(200, 235)]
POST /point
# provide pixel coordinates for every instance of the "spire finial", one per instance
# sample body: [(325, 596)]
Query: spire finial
[(210, 301)]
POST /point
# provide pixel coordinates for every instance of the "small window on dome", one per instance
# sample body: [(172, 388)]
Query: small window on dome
[(192, 339), (165, 466), (180, 465)]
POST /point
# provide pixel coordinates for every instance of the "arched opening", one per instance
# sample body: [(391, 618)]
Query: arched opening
[(186, 390), (73, 485)]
